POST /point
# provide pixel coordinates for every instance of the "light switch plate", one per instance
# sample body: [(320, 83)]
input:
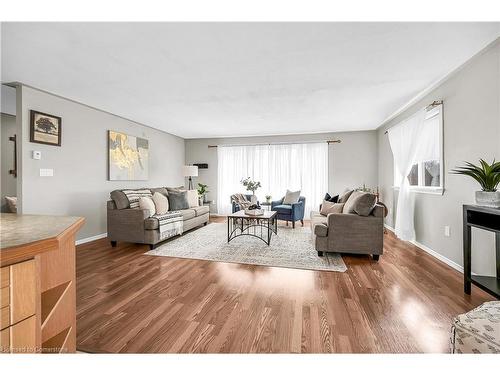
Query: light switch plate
[(447, 231), (37, 155), (46, 172)]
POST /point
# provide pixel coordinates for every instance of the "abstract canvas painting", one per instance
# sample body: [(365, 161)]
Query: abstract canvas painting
[(128, 157)]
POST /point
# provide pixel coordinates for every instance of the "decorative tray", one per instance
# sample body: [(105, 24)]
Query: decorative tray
[(255, 212)]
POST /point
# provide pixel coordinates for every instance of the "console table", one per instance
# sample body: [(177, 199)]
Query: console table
[(487, 219)]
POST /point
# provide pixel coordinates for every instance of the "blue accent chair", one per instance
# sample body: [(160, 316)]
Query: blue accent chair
[(236, 206), (290, 212)]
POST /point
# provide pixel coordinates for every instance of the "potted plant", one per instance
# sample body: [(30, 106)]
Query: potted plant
[(268, 198), (251, 185), (488, 176), (202, 192)]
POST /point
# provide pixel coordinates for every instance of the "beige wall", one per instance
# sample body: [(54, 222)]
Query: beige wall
[(471, 131), (80, 186), (352, 163)]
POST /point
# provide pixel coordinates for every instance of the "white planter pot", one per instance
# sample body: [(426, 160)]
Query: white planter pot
[(488, 198)]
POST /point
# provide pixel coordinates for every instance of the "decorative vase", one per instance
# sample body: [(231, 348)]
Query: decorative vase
[(488, 198)]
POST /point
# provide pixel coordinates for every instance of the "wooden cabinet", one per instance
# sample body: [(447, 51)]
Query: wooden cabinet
[(23, 290), (37, 285), (18, 307)]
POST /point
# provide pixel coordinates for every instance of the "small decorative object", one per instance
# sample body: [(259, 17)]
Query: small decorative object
[(488, 176), (365, 189), (202, 191), (268, 199), (254, 210), (128, 157), (251, 185), (45, 128)]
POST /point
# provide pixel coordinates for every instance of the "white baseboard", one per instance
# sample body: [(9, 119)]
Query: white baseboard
[(434, 253), (89, 239)]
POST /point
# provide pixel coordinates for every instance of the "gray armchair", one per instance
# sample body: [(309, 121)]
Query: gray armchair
[(349, 233)]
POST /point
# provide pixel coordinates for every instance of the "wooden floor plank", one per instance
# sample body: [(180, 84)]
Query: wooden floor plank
[(134, 303)]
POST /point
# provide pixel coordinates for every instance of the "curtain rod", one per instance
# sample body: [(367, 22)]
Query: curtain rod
[(435, 103), (277, 143)]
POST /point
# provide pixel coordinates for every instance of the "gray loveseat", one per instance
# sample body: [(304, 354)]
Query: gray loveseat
[(349, 232), (134, 225)]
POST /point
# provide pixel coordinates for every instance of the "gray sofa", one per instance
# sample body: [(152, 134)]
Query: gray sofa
[(349, 232), (127, 224)]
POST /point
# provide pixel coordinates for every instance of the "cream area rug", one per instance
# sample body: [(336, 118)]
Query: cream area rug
[(290, 248)]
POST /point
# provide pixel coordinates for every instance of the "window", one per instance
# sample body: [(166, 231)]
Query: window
[(426, 174), (277, 167)]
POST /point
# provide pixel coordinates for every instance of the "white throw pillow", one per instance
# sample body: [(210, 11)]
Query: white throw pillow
[(192, 197), (291, 197), (161, 203), (146, 203)]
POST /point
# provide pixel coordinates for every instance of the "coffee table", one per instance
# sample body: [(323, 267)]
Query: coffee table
[(261, 226)]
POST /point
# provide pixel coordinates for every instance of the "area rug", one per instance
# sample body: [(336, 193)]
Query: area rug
[(290, 248)]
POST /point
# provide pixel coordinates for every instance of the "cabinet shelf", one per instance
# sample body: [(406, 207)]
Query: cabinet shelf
[(56, 343), (51, 298)]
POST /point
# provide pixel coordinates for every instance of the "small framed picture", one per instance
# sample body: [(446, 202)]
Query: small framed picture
[(45, 128)]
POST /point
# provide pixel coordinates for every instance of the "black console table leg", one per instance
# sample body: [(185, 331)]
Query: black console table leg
[(467, 259)]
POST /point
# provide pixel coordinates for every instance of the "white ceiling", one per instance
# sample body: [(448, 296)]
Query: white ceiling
[(232, 79)]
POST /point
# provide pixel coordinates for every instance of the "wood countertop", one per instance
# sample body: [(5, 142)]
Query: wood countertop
[(24, 236)]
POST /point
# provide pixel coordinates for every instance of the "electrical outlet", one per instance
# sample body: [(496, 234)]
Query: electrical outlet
[(447, 231)]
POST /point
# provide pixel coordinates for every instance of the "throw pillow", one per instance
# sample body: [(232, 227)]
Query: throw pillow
[(120, 199), (176, 189), (291, 197), (329, 198), (160, 190), (146, 203), (192, 197), (161, 203), (345, 196), (360, 203), (331, 208), (177, 200), (11, 204)]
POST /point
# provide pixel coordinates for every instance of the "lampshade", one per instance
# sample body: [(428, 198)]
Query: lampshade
[(190, 171)]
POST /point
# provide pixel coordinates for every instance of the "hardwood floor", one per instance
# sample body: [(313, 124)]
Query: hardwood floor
[(135, 303)]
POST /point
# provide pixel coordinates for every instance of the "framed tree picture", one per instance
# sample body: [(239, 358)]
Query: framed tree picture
[(45, 128)]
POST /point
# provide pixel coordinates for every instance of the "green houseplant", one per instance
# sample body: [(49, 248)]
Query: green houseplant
[(251, 185), (202, 191), (488, 177)]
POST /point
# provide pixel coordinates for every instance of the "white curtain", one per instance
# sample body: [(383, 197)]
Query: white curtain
[(278, 167), (404, 141)]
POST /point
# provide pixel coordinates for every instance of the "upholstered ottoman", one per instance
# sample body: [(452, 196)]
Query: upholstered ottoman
[(477, 331)]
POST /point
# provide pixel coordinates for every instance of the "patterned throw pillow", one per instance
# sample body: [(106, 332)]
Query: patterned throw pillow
[(161, 203), (133, 196), (146, 203)]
